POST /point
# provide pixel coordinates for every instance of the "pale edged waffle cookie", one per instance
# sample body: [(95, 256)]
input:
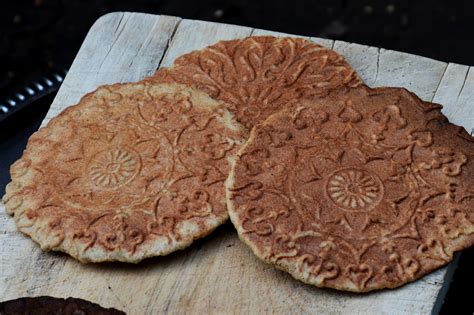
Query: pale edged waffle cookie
[(133, 171)]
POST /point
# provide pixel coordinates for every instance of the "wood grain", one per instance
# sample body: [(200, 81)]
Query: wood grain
[(191, 35), (217, 274)]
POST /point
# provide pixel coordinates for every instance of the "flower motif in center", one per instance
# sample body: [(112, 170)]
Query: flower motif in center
[(354, 189), (112, 168)]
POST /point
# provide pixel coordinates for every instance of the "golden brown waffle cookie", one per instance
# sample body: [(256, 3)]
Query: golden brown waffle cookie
[(132, 171), (257, 76), (360, 190)]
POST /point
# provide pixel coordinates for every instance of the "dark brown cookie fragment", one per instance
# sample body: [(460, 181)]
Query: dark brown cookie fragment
[(47, 305)]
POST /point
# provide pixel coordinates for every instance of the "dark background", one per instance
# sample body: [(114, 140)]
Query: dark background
[(44, 35), (38, 37)]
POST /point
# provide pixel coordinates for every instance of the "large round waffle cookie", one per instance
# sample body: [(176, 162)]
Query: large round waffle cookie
[(360, 190), (257, 76), (132, 171)]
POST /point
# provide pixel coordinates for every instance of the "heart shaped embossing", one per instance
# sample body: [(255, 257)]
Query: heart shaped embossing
[(433, 249), (421, 138), (329, 271), (390, 117), (349, 114), (360, 274)]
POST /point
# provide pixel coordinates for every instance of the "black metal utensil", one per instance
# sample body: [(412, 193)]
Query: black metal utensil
[(30, 93)]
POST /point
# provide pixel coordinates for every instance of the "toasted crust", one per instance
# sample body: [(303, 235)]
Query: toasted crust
[(132, 171), (259, 75), (361, 190)]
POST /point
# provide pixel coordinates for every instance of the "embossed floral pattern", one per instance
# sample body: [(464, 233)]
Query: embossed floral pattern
[(376, 194), (115, 167), (112, 179), (354, 189), (258, 75)]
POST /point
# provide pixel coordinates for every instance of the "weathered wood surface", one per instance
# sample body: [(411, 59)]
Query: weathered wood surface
[(217, 274)]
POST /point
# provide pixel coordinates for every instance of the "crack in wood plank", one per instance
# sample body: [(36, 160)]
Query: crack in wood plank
[(168, 43), (119, 23), (439, 82), (378, 65), (116, 37), (464, 82)]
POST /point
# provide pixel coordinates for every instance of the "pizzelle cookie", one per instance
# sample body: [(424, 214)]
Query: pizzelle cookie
[(361, 190), (257, 76), (132, 171)]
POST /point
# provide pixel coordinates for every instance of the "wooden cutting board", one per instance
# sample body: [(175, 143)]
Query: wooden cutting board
[(217, 274)]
